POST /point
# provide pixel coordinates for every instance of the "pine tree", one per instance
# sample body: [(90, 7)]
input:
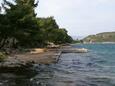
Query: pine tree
[(22, 22)]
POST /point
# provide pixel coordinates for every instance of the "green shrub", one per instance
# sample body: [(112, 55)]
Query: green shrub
[(2, 56)]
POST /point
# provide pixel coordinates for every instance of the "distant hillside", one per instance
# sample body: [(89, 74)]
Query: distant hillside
[(101, 37)]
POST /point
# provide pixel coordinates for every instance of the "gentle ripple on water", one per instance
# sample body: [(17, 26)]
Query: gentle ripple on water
[(95, 68)]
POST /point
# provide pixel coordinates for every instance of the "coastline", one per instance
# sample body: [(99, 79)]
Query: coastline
[(24, 61), (58, 73), (41, 56)]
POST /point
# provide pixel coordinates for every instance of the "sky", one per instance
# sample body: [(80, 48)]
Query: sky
[(80, 17)]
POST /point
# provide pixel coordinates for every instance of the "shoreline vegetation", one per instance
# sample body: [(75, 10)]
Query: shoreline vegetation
[(26, 39), (21, 29)]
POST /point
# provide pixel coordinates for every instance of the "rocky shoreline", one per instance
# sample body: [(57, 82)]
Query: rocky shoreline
[(22, 67), (24, 61)]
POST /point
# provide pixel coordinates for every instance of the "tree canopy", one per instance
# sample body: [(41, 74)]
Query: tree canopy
[(19, 26)]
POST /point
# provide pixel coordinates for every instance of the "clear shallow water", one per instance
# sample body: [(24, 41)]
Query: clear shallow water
[(95, 68)]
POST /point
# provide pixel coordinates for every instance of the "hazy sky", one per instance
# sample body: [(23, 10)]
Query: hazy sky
[(80, 17)]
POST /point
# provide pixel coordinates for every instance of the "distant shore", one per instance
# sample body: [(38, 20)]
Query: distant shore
[(98, 43)]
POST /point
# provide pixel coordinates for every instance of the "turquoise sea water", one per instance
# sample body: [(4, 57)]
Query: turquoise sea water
[(95, 68)]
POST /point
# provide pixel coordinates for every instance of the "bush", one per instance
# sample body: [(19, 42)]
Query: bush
[(2, 56)]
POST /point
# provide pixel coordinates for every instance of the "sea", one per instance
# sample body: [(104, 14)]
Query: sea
[(95, 68)]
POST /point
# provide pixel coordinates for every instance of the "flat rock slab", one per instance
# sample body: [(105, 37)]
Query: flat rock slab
[(40, 58)]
